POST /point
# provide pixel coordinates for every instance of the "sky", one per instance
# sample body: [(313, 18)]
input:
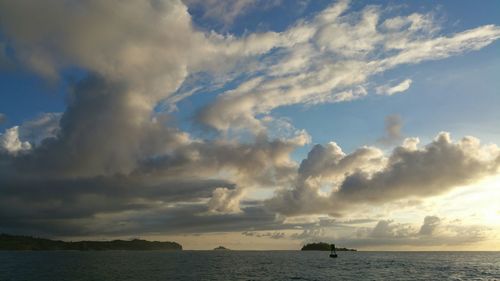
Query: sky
[(252, 124)]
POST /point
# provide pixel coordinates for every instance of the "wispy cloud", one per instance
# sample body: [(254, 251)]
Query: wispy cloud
[(391, 90)]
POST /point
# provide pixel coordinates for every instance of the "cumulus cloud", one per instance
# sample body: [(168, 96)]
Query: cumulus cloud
[(434, 169), (225, 200), (429, 225), (407, 172), (10, 142), (391, 90), (330, 162)]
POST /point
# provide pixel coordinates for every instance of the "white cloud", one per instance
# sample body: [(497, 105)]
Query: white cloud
[(10, 142), (225, 200), (391, 90), (331, 57)]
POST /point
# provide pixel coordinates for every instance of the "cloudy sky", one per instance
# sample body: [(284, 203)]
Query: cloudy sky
[(252, 124)]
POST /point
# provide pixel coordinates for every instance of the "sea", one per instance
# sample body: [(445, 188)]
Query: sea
[(247, 265)]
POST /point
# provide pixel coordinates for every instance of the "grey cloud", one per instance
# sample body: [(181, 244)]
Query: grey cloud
[(309, 234), (101, 133), (44, 126), (392, 126), (388, 229), (326, 163), (192, 219), (107, 158), (388, 233), (438, 167), (52, 199), (408, 172), (264, 162), (272, 235), (225, 200), (177, 219), (357, 221), (3, 118), (429, 225)]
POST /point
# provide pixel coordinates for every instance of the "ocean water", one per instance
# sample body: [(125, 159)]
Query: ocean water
[(247, 265)]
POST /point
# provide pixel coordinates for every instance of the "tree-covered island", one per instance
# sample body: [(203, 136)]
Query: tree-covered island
[(322, 246), (28, 243)]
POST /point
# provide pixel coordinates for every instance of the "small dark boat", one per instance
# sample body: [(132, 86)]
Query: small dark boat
[(333, 253)]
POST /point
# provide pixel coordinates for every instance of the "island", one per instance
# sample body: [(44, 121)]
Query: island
[(322, 246), (28, 243), (221, 248)]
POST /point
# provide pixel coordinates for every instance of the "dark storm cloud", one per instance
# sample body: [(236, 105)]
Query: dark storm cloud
[(107, 155), (29, 202), (179, 219), (107, 159)]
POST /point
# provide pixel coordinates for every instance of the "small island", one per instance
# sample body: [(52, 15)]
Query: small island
[(28, 243), (221, 248), (322, 246)]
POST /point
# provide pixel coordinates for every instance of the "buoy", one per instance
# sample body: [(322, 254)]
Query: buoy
[(333, 253)]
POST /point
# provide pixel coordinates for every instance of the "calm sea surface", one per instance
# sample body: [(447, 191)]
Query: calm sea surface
[(248, 265)]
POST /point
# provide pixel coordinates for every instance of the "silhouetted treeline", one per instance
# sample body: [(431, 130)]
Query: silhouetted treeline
[(321, 246), (19, 243)]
